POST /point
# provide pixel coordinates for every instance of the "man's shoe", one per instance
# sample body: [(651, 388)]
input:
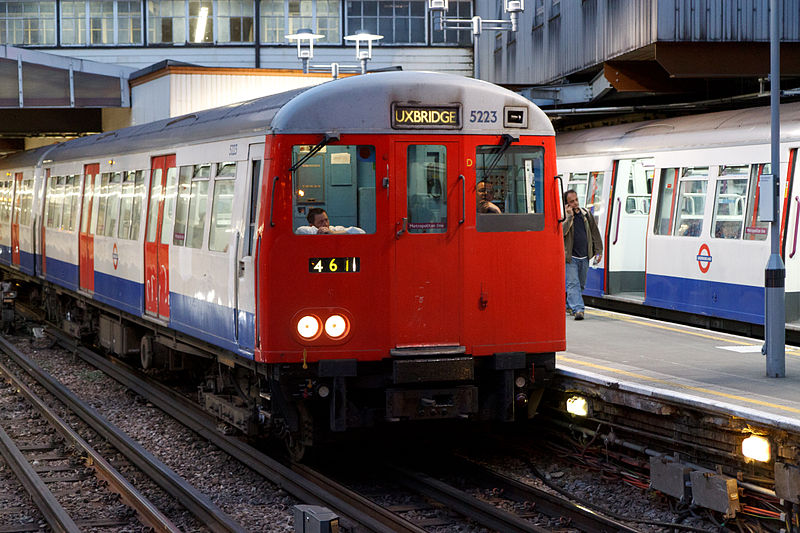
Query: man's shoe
[(569, 312), (579, 315)]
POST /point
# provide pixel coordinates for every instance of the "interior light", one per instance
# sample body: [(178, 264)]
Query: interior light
[(756, 448), (308, 327), (520, 381), (577, 406), (200, 30), (301, 192), (335, 326)]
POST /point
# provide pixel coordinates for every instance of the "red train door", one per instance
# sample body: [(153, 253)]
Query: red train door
[(86, 237), (427, 246), (15, 219), (156, 249)]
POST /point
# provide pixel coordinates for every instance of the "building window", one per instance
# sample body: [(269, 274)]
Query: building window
[(106, 22), (398, 22), (166, 21), (30, 22), (460, 9), (201, 21), (235, 21), (282, 17)]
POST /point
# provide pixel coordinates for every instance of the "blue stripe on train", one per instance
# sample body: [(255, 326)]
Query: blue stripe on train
[(725, 300), (209, 322)]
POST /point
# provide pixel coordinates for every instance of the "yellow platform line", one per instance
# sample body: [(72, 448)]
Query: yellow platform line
[(672, 384)]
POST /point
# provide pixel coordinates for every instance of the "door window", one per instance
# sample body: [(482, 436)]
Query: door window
[(691, 201), (730, 200), (754, 229), (426, 188)]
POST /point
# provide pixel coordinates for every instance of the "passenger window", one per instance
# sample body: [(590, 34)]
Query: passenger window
[(112, 204), (426, 188), (71, 197), (198, 200), (101, 196), (691, 201), (5, 207), (729, 205), (155, 193), (754, 229), (55, 199), (182, 208), (131, 204), (338, 179), (664, 208), (169, 204), (27, 203), (594, 193), (579, 182), (510, 183), (221, 212)]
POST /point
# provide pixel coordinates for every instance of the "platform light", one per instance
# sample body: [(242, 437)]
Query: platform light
[(757, 448), (301, 36), (577, 406)]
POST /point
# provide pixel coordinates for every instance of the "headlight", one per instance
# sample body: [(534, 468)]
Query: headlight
[(308, 327), (335, 326)]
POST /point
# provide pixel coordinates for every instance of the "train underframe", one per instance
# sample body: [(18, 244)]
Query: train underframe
[(305, 404)]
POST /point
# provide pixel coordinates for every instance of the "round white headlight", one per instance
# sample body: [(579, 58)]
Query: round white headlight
[(308, 327), (335, 326)]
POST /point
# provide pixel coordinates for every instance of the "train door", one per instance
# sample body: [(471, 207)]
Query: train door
[(427, 244), (86, 238), (626, 231), (15, 218), (156, 248), (791, 255), (244, 282)]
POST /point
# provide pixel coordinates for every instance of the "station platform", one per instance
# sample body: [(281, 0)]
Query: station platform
[(683, 364)]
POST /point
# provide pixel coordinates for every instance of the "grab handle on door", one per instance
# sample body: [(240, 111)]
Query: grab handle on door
[(463, 198), (403, 227), (272, 200), (796, 220), (619, 215), (560, 198)]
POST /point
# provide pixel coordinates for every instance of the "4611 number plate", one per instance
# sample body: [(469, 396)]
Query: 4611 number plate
[(334, 264)]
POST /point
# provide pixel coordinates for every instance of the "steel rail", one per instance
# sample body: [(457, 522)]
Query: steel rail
[(149, 514), (55, 515), (195, 501), (352, 509)]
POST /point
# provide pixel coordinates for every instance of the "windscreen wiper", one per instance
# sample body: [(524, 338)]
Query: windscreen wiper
[(507, 140), (327, 138)]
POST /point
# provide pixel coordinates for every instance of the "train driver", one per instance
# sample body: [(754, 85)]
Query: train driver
[(485, 192), (320, 225)]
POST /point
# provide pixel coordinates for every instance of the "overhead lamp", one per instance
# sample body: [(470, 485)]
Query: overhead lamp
[(363, 55), (756, 448), (301, 36), (200, 30)]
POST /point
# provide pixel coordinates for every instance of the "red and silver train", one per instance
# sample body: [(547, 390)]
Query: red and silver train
[(190, 237), (677, 202)]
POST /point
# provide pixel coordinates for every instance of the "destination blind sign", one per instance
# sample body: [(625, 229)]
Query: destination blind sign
[(418, 117)]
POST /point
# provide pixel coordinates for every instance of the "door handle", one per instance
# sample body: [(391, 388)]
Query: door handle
[(463, 198), (403, 227), (796, 220), (619, 215)]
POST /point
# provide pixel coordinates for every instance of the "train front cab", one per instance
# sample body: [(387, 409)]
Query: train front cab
[(682, 233), (444, 312)]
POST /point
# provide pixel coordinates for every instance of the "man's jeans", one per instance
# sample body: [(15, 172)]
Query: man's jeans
[(576, 271)]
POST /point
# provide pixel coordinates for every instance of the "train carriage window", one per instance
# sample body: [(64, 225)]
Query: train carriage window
[(691, 202), (729, 204), (198, 200), (5, 202), (182, 208), (55, 198), (155, 193), (754, 229), (221, 211), (102, 199), (130, 204), (665, 206), (255, 174), (26, 206), (339, 179), (594, 193), (579, 182), (138, 201), (510, 183), (226, 170), (169, 205), (112, 204), (427, 188), (71, 199)]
